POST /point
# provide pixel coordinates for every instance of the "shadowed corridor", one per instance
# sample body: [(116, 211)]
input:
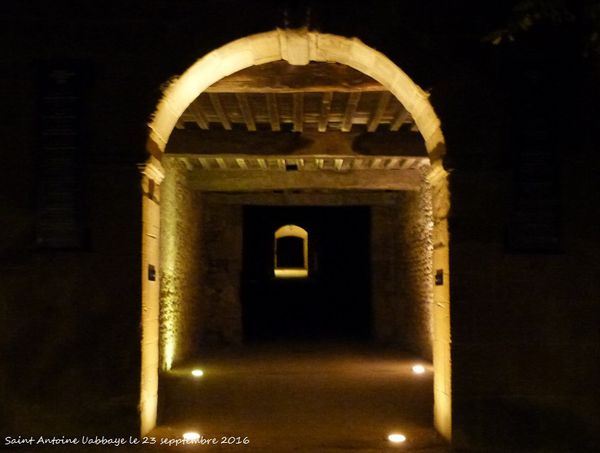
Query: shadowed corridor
[(309, 373), (333, 301)]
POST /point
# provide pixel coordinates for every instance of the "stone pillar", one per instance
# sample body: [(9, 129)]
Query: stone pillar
[(152, 176), (442, 389)]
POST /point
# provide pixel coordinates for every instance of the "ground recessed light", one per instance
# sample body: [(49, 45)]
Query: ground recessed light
[(397, 438), (197, 373), (191, 436), (418, 369)]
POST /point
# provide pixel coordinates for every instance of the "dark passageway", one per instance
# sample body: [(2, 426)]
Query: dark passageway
[(333, 300)]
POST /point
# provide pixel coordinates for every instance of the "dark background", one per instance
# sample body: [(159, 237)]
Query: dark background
[(520, 122), (333, 302)]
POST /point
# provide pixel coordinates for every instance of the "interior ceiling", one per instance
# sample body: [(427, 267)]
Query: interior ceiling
[(320, 127), (281, 97)]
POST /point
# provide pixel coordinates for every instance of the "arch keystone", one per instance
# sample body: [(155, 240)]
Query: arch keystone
[(295, 46)]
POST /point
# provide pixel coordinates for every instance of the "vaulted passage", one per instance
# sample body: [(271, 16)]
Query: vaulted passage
[(333, 300), (294, 201)]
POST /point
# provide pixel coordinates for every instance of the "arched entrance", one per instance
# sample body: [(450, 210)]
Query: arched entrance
[(297, 47)]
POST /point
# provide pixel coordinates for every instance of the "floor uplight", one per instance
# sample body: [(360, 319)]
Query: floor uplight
[(197, 373), (397, 438), (418, 369), (191, 436)]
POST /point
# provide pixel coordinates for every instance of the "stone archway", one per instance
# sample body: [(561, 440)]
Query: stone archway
[(297, 47)]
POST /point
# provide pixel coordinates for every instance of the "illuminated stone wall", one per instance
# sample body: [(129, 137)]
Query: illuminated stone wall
[(414, 272), (401, 259), (180, 267), (201, 261), (400, 269)]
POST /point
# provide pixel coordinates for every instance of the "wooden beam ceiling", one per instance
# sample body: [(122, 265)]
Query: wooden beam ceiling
[(313, 111), (289, 175), (217, 106), (343, 164), (252, 181), (336, 129), (277, 96), (264, 143), (354, 198), (273, 110), (350, 110), (246, 111), (198, 115), (298, 103), (379, 112), (400, 118), (325, 109), (282, 77)]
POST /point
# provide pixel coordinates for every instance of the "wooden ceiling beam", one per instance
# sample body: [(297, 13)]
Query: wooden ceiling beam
[(241, 162), (221, 163), (400, 119), (393, 163), (262, 180), (187, 162), (199, 117), (204, 163), (298, 111), (333, 198), (273, 110), (246, 111), (382, 104), (351, 106), (325, 109), (265, 142), (216, 103)]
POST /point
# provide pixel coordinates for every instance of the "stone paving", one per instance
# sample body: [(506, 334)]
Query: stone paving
[(318, 397)]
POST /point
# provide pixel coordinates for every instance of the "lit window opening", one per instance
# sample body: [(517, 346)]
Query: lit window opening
[(291, 252)]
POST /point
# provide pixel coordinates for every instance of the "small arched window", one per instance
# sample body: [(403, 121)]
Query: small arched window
[(291, 252)]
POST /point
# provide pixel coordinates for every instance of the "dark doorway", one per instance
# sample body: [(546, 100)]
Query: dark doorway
[(333, 300)]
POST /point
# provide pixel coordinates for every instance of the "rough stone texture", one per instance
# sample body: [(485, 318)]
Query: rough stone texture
[(180, 267), (221, 246), (401, 257), (400, 260), (201, 261), (150, 313), (414, 274), (437, 180)]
